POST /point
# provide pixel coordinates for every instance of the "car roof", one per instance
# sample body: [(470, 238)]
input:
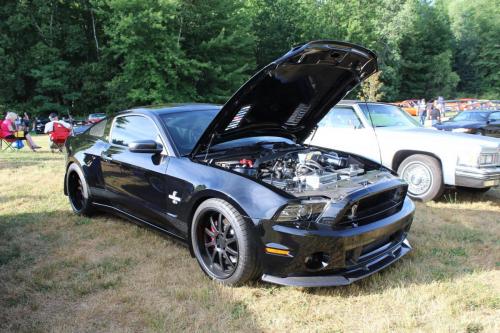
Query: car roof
[(173, 108), (352, 102), (480, 110)]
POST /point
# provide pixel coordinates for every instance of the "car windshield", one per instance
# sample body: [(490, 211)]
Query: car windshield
[(383, 115), (186, 128), (471, 116)]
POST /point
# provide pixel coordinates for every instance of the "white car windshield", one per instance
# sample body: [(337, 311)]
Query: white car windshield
[(384, 115)]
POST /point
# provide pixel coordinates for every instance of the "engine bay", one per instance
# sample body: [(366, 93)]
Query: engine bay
[(307, 171)]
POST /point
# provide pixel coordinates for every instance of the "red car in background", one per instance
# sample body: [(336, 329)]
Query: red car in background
[(96, 117), (409, 105)]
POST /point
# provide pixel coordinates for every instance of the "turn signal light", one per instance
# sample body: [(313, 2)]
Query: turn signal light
[(272, 250)]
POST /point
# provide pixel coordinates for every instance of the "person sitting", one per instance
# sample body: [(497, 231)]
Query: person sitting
[(53, 125), (9, 131)]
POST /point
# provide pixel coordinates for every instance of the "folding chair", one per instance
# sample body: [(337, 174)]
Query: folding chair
[(7, 144), (58, 137)]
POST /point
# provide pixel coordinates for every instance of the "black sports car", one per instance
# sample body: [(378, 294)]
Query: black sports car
[(239, 186), (480, 122)]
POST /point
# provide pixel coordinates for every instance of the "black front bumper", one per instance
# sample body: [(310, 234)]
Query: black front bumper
[(347, 276), (348, 255)]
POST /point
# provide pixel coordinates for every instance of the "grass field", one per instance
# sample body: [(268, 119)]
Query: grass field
[(62, 273)]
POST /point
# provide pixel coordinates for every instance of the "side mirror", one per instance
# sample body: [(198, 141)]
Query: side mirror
[(145, 146)]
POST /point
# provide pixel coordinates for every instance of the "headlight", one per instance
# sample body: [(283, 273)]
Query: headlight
[(462, 130), (481, 159), (305, 211), (488, 159)]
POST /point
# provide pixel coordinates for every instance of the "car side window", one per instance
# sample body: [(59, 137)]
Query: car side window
[(127, 129), (341, 117), (495, 116)]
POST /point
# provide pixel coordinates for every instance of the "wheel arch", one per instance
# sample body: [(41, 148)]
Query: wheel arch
[(401, 155), (201, 197), (70, 162)]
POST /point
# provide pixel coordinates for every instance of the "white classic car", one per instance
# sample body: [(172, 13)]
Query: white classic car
[(426, 158)]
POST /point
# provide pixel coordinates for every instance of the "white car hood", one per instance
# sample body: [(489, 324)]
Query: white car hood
[(427, 136)]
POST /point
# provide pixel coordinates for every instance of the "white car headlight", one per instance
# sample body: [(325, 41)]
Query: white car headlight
[(461, 130), (481, 159), (488, 159)]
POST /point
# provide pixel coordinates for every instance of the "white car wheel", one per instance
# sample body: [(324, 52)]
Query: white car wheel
[(423, 175)]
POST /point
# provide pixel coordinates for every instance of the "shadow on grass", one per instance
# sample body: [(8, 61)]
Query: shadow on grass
[(464, 195), (105, 274)]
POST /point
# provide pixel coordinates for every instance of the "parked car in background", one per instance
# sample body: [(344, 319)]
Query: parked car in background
[(40, 125), (80, 129), (96, 117), (238, 185), (426, 158), (479, 122), (409, 105)]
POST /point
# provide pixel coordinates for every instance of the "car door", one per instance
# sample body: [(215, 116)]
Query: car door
[(343, 129), (136, 180), (493, 126)]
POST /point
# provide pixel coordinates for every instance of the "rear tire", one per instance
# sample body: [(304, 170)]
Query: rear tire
[(424, 177), (78, 191), (224, 243)]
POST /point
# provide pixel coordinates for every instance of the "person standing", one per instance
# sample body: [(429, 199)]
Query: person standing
[(441, 106), (26, 121), (435, 114), (422, 112)]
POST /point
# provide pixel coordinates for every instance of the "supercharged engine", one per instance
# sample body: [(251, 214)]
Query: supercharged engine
[(306, 171)]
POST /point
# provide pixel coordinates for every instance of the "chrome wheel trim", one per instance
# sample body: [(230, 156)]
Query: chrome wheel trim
[(419, 178)]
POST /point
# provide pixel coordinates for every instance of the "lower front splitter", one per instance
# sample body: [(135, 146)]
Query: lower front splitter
[(343, 278)]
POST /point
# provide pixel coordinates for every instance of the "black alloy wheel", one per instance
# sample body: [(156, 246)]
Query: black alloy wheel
[(224, 243), (75, 192), (78, 192), (218, 244)]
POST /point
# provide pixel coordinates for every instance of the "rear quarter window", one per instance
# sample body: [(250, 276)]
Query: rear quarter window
[(99, 130)]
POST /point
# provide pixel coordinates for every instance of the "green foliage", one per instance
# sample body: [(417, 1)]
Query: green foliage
[(476, 27), (83, 56), (426, 53)]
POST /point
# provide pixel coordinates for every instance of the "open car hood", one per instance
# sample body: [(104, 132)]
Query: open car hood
[(288, 97)]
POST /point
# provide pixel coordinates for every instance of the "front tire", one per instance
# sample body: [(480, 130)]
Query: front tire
[(424, 177), (78, 191), (223, 243)]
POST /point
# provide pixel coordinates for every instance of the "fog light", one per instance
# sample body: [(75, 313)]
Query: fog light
[(317, 261)]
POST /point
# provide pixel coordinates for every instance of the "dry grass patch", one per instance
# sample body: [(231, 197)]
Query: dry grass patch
[(61, 273)]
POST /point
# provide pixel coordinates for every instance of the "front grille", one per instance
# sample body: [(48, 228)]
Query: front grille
[(374, 249), (372, 208)]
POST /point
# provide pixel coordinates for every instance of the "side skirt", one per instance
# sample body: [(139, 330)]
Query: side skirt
[(139, 221)]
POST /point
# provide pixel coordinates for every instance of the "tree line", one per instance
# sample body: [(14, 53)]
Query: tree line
[(86, 56)]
